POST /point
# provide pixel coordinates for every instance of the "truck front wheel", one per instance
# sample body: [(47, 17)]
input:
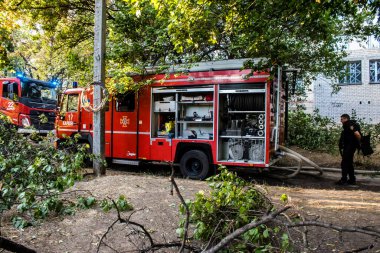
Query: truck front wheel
[(194, 164)]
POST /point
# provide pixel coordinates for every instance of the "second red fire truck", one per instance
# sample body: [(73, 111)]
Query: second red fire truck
[(30, 104), (216, 113)]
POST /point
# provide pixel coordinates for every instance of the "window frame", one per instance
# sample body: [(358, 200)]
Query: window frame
[(125, 108), (11, 88), (65, 103), (5, 89), (377, 69), (70, 100), (346, 79)]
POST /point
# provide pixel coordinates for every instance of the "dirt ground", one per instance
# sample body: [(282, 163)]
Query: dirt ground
[(148, 190)]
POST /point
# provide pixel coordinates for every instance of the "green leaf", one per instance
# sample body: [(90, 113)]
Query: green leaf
[(266, 233), (179, 232), (86, 202), (90, 201), (106, 205), (123, 204), (19, 222)]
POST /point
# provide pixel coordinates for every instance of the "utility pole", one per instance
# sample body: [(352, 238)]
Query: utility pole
[(99, 80)]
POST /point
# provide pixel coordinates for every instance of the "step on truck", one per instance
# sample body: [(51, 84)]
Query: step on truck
[(29, 104), (215, 113)]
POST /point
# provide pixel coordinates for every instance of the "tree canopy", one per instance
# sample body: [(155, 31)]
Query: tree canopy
[(54, 38)]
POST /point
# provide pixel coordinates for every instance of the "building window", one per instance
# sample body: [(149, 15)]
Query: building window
[(351, 73), (374, 71), (373, 42)]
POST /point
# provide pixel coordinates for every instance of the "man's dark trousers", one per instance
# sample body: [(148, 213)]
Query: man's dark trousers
[(347, 164)]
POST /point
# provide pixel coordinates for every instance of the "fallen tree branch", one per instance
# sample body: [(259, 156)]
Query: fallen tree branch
[(303, 233), (213, 232), (186, 227), (14, 246), (334, 227), (128, 221), (242, 230), (169, 245), (224, 243), (360, 249), (152, 245), (105, 235)]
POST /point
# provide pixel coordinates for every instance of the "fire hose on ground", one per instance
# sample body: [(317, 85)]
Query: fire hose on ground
[(296, 170), (313, 169)]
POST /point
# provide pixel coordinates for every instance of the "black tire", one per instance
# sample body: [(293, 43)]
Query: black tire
[(87, 160), (194, 164)]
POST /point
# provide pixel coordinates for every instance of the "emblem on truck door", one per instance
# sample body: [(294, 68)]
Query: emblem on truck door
[(11, 106), (124, 121)]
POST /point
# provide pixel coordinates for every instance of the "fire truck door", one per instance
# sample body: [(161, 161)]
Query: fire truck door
[(124, 126), (68, 121), (8, 101)]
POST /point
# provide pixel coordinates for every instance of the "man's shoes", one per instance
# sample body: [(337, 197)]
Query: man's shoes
[(349, 183), (341, 182), (352, 184)]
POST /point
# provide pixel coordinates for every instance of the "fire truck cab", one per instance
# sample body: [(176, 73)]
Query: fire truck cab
[(25, 101), (215, 113)]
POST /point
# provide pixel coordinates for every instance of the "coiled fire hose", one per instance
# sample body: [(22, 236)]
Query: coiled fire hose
[(89, 90), (299, 158)]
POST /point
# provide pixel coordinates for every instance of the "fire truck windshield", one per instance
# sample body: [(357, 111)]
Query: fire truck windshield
[(38, 91)]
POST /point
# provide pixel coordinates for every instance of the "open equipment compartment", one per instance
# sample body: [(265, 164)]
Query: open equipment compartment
[(195, 113), (164, 113), (242, 123), (183, 113)]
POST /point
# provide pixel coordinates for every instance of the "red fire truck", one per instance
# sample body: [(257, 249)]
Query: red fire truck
[(24, 100), (215, 113)]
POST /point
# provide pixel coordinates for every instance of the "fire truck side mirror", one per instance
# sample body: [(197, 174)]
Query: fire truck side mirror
[(61, 115)]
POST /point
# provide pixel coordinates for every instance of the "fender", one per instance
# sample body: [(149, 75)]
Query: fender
[(86, 137), (183, 147)]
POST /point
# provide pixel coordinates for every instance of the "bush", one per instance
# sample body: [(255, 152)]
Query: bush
[(33, 174), (232, 203), (367, 128), (313, 132)]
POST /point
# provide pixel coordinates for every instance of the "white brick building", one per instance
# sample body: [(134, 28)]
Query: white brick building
[(359, 92)]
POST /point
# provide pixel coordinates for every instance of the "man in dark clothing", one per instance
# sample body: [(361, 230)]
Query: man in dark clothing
[(348, 143)]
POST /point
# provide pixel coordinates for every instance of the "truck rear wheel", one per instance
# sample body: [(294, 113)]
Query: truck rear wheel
[(88, 151), (194, 164)]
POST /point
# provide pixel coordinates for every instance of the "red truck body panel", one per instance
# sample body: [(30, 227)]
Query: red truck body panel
[(181, 112)]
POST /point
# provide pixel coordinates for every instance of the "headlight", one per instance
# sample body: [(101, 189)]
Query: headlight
[(25, 121)]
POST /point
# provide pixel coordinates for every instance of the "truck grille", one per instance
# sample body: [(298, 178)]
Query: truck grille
[(36, 121)]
